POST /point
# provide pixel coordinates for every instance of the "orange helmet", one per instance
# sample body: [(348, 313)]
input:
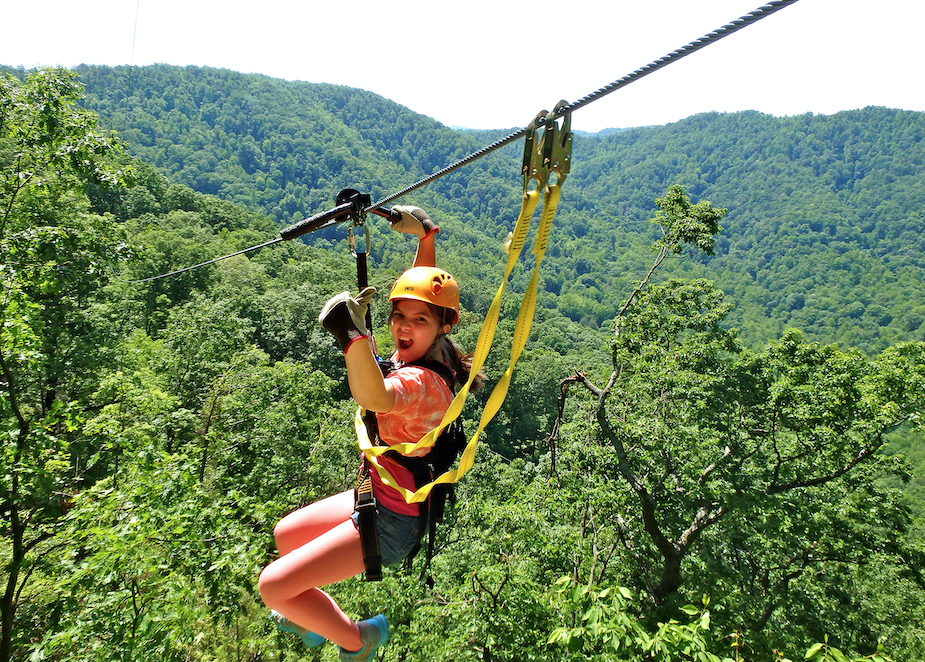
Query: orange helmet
[(430, 285)]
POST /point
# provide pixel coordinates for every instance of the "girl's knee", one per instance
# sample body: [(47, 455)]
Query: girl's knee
[(274, 586), (281, 530), (265, 586)]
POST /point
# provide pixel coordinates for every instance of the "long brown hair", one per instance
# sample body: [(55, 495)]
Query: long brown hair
[(460, 362)]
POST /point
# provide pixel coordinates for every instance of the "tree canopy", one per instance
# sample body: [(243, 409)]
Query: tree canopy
[(664, 481), (824, 233)]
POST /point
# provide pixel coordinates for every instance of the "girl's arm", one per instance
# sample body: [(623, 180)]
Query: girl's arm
[(426, 255), (368, 387)]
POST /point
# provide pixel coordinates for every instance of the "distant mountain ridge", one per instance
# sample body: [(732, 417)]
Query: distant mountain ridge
[(584, 134), (826, 229)]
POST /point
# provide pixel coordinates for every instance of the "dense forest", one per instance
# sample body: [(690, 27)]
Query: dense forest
[(825, 230), (711, 450)]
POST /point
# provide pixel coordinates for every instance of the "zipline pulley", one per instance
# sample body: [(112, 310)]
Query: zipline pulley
[(358, 204), (554, 154), (350, 205)]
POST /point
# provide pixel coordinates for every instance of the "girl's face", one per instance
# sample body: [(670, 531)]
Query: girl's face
[(414, 327)]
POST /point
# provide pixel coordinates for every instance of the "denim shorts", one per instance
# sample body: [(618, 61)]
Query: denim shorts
[(398, 534)]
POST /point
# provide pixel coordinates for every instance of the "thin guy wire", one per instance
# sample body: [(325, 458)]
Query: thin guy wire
[(202, 264), (131, 60)]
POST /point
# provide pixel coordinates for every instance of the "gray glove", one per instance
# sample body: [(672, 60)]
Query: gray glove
[(414, 220), (345, 317)]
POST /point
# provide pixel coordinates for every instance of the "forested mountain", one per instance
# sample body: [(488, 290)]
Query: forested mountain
[(825, 228), (825, 224), (656, 486)]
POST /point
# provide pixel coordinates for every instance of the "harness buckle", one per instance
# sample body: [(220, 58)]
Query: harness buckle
[(366, 524)]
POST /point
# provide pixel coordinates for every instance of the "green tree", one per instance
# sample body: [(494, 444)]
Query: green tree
[(747, 470), (160, 558), (54, 254), (604, 622)]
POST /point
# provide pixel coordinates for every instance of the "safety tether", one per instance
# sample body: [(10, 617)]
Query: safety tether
[(546, 163)]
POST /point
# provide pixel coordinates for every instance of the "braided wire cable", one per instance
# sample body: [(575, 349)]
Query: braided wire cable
[(453, 166), (694, 46)]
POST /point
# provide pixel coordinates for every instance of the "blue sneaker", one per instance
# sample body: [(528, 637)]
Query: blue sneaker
[(282, 623), (375, 633)]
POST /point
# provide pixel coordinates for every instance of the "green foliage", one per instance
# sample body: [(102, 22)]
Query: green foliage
[(717, 448), (605, 626), (166, 550), (683, 223), (155, 431), (53, 254), (815, 222), (823, 208)]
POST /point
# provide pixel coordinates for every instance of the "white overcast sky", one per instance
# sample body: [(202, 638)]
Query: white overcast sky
[(490, 64)]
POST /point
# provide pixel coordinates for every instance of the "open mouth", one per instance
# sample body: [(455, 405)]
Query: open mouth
[(405, 343)]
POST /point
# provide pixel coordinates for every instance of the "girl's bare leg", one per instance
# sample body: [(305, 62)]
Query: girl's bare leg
[(309, 522), (319, 546)]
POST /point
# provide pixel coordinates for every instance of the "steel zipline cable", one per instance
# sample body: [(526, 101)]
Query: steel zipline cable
[(674, 56), (338, 213)]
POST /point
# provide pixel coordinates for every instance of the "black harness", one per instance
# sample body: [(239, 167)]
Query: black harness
[(440, 458)]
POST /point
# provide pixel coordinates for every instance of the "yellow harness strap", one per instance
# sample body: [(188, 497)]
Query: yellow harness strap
[(551, 157)]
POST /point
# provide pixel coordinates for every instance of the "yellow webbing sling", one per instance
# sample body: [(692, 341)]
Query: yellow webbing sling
[(547, 163)]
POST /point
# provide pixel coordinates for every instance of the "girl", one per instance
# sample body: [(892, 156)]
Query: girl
[(320, 543)]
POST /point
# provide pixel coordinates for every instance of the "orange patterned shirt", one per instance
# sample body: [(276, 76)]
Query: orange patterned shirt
[(421, 400)]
